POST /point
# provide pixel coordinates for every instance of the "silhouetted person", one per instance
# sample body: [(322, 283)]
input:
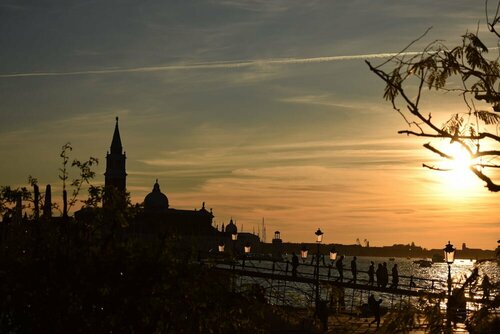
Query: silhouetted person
[(385, 275), (395, 276), (485, 285), (295, 264), (412, 283), (354, 270), (371, 273), (379, 275), (340, 267), (374, 306), (322, 313), (456, 307)]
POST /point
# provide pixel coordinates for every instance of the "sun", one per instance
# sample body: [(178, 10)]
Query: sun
[(461, 158), (458, 175)]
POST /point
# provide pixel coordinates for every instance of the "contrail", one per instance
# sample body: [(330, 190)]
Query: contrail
[(211, 65)]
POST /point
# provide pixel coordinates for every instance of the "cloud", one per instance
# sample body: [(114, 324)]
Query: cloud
[(212, 65)]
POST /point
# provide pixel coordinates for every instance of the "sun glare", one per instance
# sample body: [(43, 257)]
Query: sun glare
[(462, 160), (458, 176)]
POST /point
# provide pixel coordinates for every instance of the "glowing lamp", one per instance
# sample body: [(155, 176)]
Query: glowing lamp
[(221, 247), (319, 236), (247, 248), (449, 253), (333, 254), (234, 236), (303, 253)]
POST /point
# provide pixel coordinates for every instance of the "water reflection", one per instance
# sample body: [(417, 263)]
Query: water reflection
[(460, 269), (431, 279)]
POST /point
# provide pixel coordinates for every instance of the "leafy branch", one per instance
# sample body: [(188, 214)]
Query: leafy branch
[(85, 173), (438, 67)]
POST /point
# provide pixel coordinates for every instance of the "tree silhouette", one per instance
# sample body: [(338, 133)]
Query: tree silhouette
[(85, 175), (468, 71)]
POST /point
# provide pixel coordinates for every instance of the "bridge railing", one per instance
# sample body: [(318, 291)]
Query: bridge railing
[(330, 273), (327, 273)]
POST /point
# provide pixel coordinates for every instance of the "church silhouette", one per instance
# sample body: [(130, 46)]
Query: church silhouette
[(152, 218), (156, 217)]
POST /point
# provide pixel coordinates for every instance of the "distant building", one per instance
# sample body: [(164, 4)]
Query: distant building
[(157, 215), (277, 245), (157, 218), (115, 175)]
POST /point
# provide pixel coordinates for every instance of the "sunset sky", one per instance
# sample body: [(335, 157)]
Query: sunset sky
[(260, 108)]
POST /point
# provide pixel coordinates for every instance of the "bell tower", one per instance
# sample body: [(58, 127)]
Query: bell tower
[(115, 175)]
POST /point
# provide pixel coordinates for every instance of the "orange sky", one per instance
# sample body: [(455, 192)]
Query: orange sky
[(261, 109)]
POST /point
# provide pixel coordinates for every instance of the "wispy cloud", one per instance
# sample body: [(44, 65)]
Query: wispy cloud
[(211, 65)]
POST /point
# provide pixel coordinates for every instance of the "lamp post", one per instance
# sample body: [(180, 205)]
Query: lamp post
[(333, 255), (449, 257), (221, 247), (234, 237), (303, 253), (319, 239), (246, 248)]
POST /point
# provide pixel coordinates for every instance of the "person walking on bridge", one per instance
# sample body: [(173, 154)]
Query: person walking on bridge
[(340, 267), (486, 285), (371, 273), (379, 275), (385, 275), (395, 276), (354, 270), (374, 306)]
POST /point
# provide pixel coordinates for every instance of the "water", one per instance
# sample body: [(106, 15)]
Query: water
[(460, 269), (432, 279)]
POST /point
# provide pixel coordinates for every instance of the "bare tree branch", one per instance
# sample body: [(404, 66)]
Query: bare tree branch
[(438, 152), (436, 168), (464, 70)]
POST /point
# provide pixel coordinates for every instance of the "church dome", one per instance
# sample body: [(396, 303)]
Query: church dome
[(155, 200), (231, 228)]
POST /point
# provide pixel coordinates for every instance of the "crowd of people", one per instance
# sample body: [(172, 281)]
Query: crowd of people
[(380, 277), (381, 274)]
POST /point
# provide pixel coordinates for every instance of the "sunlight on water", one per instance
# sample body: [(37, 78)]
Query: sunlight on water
[(423, 276)]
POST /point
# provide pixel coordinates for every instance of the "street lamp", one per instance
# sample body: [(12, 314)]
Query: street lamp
[(333, 254), (303, 253), (234, 237), (449, 257), (319, 236), (247, 248), (319, 239), (221, 247)]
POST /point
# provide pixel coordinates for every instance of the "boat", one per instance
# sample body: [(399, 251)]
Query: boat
[(423, 263), (437, 258), (391, 259)]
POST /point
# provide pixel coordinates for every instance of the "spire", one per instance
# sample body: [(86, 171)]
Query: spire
[(156, 186), (116, 144)]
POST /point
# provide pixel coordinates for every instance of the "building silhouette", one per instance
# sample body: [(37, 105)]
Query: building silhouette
[(156, 216), (115, 175), (152, 218)]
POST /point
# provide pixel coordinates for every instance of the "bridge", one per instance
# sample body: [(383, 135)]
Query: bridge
[(283, 288)]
